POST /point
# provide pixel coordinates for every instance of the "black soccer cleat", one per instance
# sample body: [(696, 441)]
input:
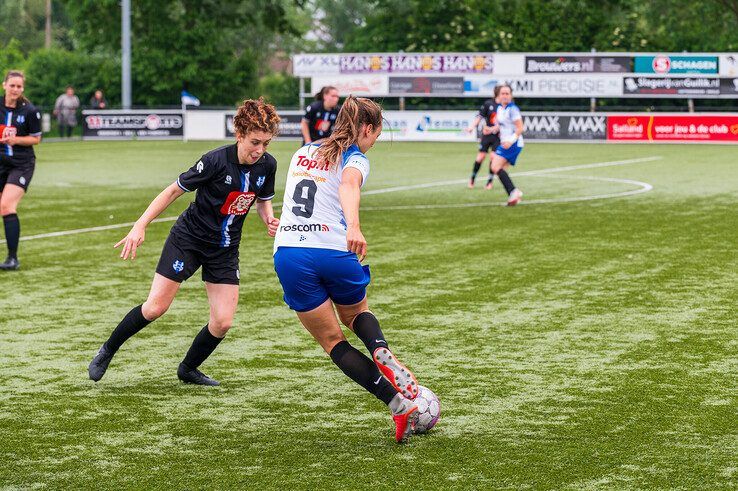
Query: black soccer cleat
[(10, 264), (194, 376), (99, 364)]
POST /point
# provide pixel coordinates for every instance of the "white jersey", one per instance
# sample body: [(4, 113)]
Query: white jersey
[(311, 213), (506, 117)]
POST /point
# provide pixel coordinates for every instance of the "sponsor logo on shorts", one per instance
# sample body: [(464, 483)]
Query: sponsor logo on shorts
[(238, 203), (178, 266), (308, 227), (22, 180)]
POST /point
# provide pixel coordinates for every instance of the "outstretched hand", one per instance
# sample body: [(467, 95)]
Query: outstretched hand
[(131, 242)]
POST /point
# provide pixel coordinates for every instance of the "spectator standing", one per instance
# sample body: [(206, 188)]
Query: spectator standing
[(65, 110)]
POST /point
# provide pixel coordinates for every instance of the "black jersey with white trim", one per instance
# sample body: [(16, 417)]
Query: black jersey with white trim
[(488, 112), (317, 116), (26, 120), (226, 190)]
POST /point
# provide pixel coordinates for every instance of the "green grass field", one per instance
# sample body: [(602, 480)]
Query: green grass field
[(576, 343)]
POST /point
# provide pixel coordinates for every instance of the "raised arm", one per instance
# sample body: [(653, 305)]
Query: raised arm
[(138, 232)]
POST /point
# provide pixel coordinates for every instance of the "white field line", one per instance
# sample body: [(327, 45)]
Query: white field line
[(643, 187), (114, 226)]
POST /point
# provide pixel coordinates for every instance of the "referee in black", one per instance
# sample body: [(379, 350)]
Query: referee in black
[(228, 180), (20, 129), (320, 116), (490, 138)]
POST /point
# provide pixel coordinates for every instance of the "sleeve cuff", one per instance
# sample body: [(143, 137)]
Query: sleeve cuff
[(268, 198), (182, 187)]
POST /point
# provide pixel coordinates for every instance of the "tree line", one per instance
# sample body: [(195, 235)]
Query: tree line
[(225, 50)]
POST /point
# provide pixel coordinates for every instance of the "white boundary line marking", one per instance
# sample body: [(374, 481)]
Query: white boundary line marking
[(643, 187), (541, 172)]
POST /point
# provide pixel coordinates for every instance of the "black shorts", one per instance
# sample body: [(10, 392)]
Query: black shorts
[(489, 142), (181, 257), (18, 173)]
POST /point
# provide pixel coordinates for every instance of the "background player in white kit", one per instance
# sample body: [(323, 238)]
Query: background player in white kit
[(315, 257)]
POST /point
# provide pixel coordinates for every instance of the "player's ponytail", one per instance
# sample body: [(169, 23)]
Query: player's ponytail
[(355, 113), (17, 73)]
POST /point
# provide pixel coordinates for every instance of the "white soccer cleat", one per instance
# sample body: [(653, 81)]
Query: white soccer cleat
[(398, 375), (514, 197)]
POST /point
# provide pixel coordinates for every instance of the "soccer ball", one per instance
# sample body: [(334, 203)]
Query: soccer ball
[(429, 409)]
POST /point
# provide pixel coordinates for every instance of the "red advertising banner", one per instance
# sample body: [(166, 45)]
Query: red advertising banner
[(687, 128)]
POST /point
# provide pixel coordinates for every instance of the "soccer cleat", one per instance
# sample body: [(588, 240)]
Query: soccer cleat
[(488, 186), (471, 184), (514, 197), (400, 377), (10, 264), (405, 423), (194, 376), (99, 364)]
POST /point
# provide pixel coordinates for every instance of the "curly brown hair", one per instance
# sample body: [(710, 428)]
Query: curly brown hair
[(256, 115)]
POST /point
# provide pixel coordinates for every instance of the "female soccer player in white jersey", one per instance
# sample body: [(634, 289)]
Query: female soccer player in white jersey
[(316, 249), (511, 138)]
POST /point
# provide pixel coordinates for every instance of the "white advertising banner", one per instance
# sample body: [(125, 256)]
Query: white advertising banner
[(547, 85), (360, 84), (473, 85), (308, 65), (428, 126), (318, 64), (729, 65)]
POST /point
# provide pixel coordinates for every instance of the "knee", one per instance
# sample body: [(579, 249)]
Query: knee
[(330, 342), (7, 209), (153, 309), (347, 318), (220, 326)]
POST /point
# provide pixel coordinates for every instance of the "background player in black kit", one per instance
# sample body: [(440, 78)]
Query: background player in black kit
[(490, 139), (228, 181), (320, 116), (20, 129)]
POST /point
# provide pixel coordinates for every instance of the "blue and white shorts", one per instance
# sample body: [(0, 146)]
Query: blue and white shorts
[(310, 276), (510, 154)]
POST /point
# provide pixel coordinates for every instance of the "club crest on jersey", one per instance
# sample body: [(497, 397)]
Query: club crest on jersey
[(260, 181), (178, 266), (238, 203), (228, 180)]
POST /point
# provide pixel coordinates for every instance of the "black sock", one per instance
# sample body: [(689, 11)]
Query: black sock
[(133, 322), (366, 327), (362, 370), (202, 346), (12, 233), (477, 165), (506, 181)]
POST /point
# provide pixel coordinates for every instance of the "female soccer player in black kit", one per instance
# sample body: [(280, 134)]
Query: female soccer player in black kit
[(228, 181), (20, 129), (320, 116), (490, 139)]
